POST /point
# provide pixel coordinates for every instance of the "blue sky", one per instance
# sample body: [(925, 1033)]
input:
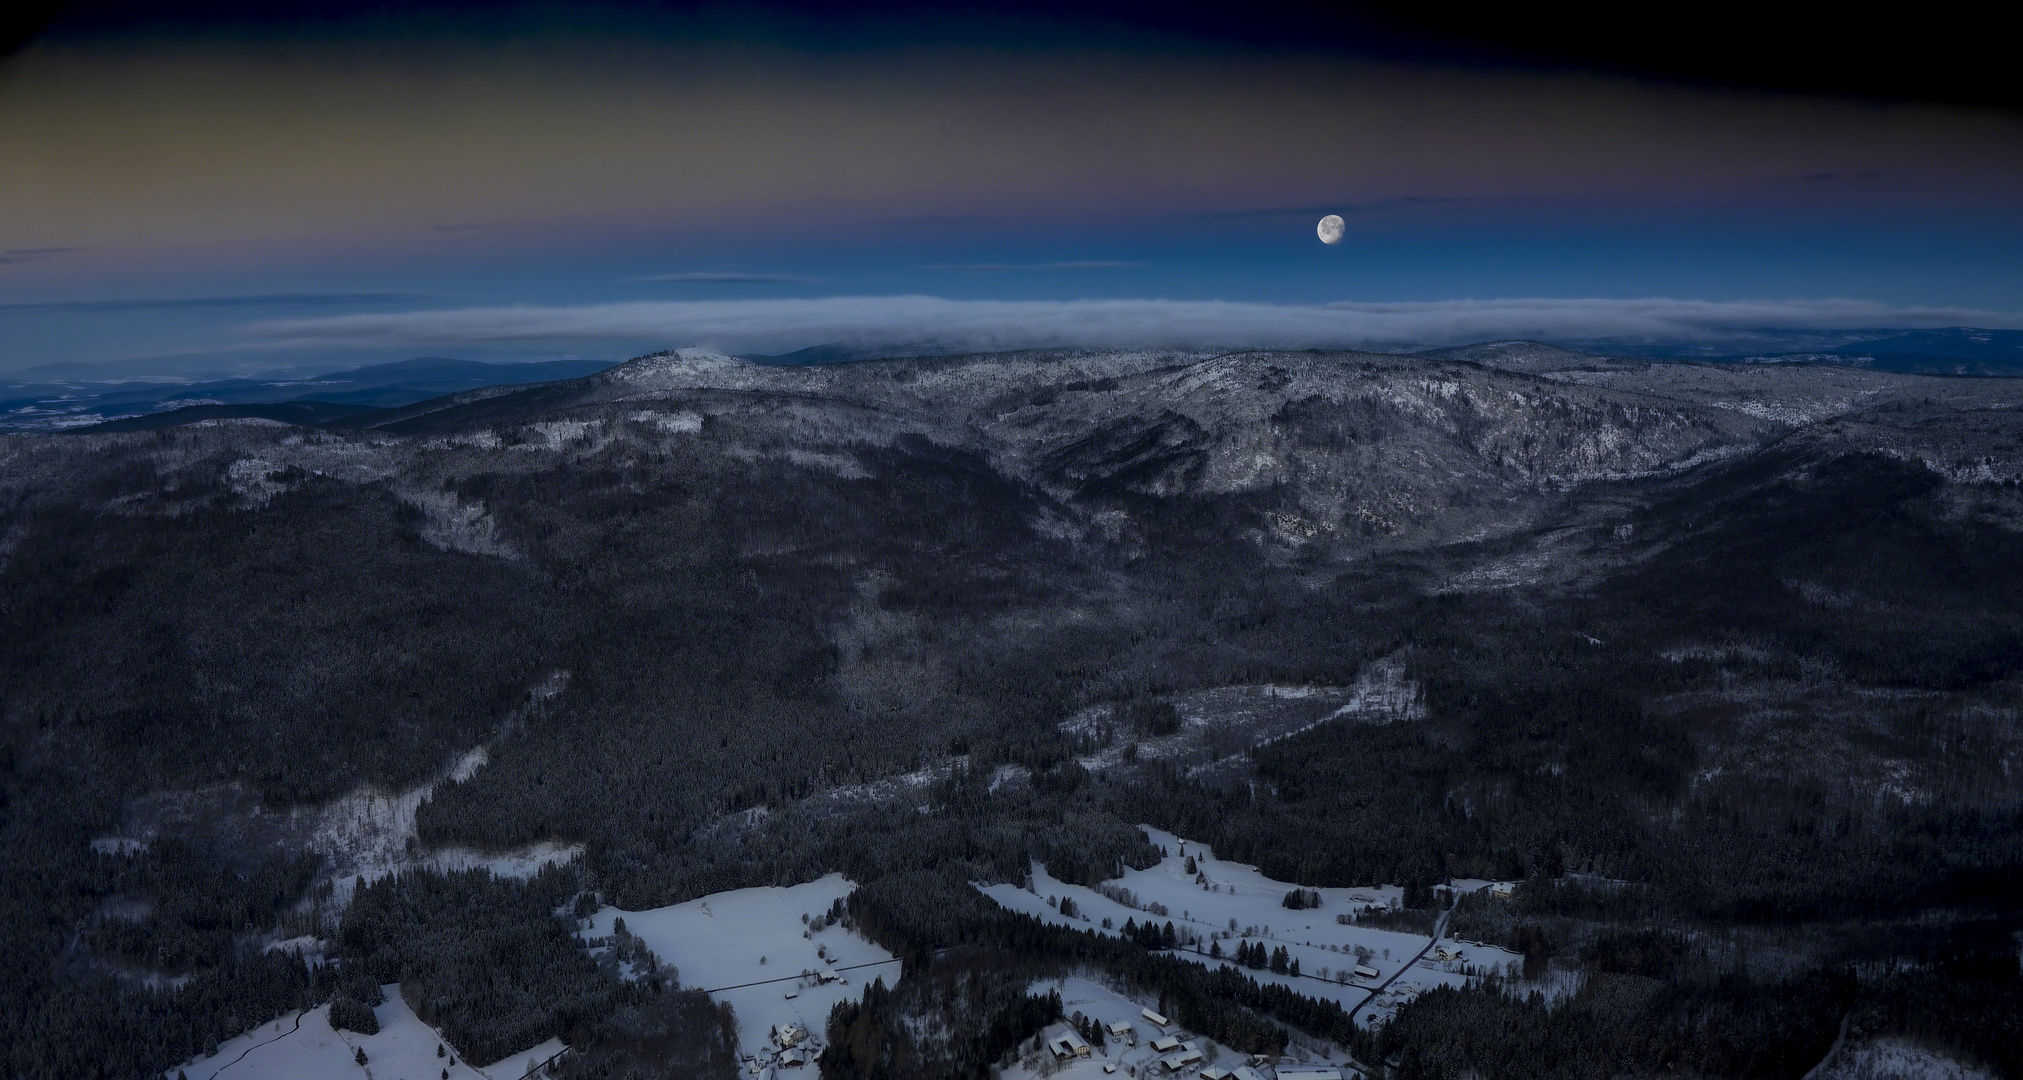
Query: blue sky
[(208, 193)]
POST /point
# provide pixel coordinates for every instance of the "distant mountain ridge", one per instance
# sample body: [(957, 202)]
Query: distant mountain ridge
[(1953, 350), (56, 404), (1957, 350), (391, 393)]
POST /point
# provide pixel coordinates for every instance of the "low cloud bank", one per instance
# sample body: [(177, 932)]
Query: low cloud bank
[(762, 324)]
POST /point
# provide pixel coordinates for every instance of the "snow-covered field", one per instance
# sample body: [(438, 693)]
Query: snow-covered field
[(1225, 904), (754, 949), (404, 1047)]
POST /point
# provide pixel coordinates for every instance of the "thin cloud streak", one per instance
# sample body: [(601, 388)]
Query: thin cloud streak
[(35, 254), (739, 276), (1338, 208), (248, 300), (1004, 268), (879, 320)]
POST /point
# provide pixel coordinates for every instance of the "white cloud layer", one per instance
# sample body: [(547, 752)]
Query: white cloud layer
[(763, 324)]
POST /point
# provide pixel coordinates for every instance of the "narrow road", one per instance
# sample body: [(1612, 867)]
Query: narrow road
[(791, 978), (1439, 928), (258, 1045)]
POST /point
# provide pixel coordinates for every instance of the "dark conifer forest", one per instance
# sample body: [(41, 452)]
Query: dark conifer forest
[(1736, 700)]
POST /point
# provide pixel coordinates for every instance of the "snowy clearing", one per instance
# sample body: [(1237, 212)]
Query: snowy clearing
[(1224, 905), (754, 949), (286, 1049)]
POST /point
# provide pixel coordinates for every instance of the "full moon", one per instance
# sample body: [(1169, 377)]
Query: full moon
[(1330, 229)]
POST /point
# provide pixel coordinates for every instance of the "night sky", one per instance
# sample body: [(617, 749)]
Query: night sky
[(213, 187)]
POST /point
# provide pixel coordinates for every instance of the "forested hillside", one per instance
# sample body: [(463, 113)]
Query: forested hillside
[(1746, 677)]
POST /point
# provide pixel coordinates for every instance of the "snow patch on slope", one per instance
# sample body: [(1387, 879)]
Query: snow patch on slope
[(1898, 1059), (1383, 693), (671, 423), (371, 832), (452, 524)]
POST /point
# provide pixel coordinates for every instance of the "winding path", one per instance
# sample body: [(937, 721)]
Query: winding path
[(258, 1045)]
